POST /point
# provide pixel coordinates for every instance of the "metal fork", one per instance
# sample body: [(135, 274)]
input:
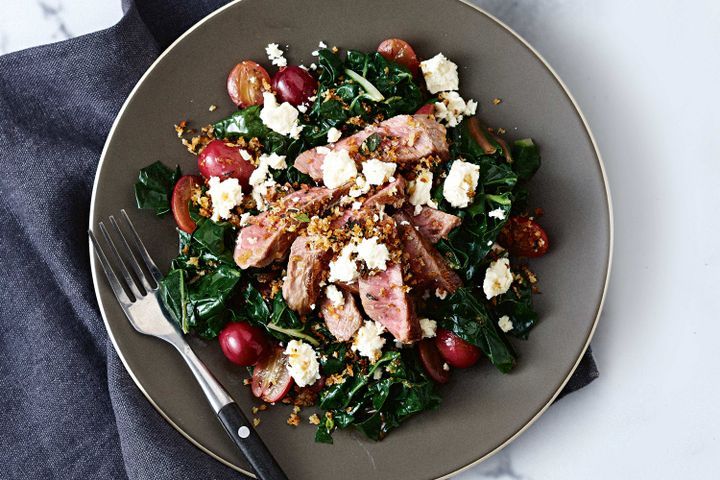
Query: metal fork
[(138, 297)]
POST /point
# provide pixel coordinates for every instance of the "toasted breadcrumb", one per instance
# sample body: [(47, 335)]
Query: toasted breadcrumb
[(497, 101), (314, 419)]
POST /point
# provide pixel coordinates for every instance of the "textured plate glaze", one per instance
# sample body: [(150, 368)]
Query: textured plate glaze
[(482, 409)]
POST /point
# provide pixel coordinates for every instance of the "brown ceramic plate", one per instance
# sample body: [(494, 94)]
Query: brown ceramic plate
[(482, 409)]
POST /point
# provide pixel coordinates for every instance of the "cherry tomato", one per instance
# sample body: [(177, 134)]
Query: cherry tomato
[(399, 51), (180, 202), (294, 85), (246, 84), (432, 361), (271, 380), (220, 160), (243, 344), (427, 109), (456, 351), (524, 237)]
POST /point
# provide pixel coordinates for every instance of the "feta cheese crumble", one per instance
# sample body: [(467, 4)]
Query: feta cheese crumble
[(333, 135), (498, 278), (421, 191), (440, 74), (225, 196), (377, 172), (505, 324), (303, 365), (498, 213), (261, 180), (428, 327), (460, 184), (361, 187), (335, 296), (452, 108), (338, 168), (282, 118), (344, 268), (275, 55), (374, 254), (368, 342)]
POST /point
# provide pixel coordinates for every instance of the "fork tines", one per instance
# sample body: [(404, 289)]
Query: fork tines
[(131, 287)]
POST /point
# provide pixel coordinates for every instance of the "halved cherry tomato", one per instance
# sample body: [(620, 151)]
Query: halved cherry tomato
[(243, 344), (432, 361), (399, 51), (456, 351), (180, 202), (246, 84), (294, 85), (220, 160), (524, 237), (271, 380), (427, 109)]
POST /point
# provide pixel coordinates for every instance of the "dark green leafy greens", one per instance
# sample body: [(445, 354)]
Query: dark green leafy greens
[(154, 187)]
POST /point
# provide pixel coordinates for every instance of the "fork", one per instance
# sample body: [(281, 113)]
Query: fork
[(138, 297)]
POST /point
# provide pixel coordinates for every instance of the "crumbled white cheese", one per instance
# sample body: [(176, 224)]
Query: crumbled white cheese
[(377, 374), (498, 278), (338, 168), (333, 135), (322, 44), (344, 268), (244, 219), (302, 363), (460, 184), (225, 196), (335, 296), (356, 205), (302, 108), (314, 53), (312, 306), (377, 172), (441, 293), (361, 187), (282, 118), (313, 66), (421, 190), (275, 55), (440, 74), (498, 213), (262, 180), (274, 160), (374, 254), (446, 367), (452, 108), (505, 324), (245, 154), (428, 327), (368, 341)]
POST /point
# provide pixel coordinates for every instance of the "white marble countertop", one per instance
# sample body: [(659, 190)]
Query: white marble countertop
[(646, 74)]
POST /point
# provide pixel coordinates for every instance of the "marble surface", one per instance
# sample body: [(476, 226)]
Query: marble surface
[(646, 76)]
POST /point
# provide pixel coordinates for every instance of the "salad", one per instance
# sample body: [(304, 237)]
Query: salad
[(352, 235)]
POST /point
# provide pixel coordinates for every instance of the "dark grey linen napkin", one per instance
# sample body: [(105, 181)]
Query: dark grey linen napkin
[(68, 407)]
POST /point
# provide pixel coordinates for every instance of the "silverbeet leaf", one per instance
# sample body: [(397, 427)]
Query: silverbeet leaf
[(154, 187)]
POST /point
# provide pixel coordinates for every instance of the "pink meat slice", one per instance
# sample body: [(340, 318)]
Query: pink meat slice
[(392, 194), (305, 267), (342, 321), (432, 223), (385, 300), (427, 265), (406, 139), (264, 241)]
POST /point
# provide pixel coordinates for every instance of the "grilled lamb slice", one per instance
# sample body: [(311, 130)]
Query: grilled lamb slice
[(342, 321), (270, 234), (406, 139), (385, 300), (392, 194), (305, 267), (427, 265), (432, 223)]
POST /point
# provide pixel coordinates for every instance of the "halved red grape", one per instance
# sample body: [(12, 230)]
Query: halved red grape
[(432, 361), (243, 344), (180, 202), (218, 159), (427, 109), (399, 51), (524, 237), (456, 351), (271, 380), (294, 85), (246, 83)]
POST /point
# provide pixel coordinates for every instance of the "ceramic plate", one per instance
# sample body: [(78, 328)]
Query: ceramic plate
[(482, 409)]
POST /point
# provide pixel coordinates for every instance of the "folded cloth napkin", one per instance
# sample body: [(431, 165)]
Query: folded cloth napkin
[(69, 408)]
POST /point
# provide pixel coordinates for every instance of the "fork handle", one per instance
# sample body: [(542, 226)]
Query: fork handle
[(248, 441)]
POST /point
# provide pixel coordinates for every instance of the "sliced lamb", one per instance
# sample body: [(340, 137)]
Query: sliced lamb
[(405, 139), (432, 223), (306, 265), (392, 194), (270, 234), (344, 320), (427, 265), (385, 300)]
